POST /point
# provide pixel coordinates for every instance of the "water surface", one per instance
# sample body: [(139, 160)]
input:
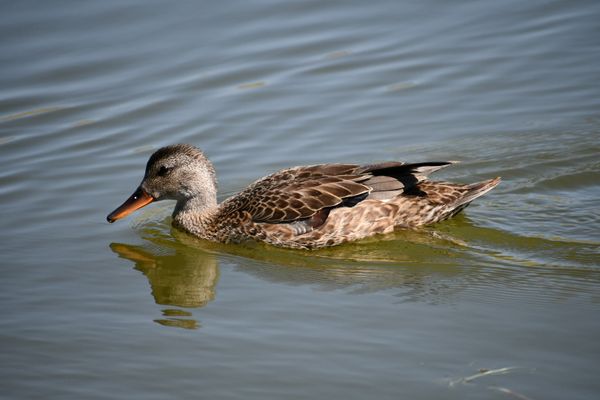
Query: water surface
[(500, 302)]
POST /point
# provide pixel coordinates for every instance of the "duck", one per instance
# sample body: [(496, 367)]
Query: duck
[(303, 207)]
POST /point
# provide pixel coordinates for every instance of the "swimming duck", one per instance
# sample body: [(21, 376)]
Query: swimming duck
[(305, 207)]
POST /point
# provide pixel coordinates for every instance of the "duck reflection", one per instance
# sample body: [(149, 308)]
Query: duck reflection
[(183, 279), (183, 270), (431, 266), (177, 278)]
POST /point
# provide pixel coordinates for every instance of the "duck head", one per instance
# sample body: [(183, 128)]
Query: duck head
[(179, 172)]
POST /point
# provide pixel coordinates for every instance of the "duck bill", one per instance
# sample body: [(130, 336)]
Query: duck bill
[(137, 200)]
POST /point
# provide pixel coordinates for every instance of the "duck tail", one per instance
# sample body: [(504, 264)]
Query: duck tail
[(476, 190)]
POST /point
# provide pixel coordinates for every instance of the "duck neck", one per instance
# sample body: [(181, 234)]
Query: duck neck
[(196, 214)]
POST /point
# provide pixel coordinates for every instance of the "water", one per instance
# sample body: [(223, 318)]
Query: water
[(138, 310)]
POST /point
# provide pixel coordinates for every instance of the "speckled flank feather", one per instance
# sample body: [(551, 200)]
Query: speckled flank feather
[(431, 202), (311, 206)]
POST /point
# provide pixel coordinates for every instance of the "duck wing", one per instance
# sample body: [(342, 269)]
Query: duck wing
[(390, 179), (301, 193)]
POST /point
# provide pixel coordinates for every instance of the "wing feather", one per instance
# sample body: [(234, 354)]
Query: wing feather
[(302, 192)]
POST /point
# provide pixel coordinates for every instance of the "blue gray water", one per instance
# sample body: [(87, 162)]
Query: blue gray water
[(501, 302)]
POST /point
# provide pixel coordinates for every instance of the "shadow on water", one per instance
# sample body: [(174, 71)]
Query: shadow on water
[(433, 265)]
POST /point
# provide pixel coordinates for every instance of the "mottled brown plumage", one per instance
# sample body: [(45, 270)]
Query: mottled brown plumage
[(302, 207)]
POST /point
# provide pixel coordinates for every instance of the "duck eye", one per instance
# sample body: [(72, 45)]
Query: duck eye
[(162, 171)]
